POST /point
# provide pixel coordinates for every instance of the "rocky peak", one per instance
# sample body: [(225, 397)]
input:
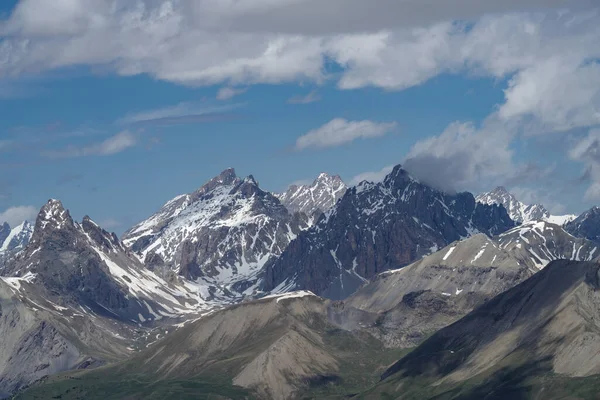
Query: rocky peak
[(53, 216), (325, 178), (398, 177), (518, 211), (223, 233), (247, 187), (316, 198), (225, 178), (587, 225)]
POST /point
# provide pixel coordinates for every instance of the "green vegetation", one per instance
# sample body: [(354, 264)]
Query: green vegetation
[(362, 361), (105, 384), (511, 379)]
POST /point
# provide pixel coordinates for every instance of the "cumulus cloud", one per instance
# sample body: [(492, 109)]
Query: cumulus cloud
[(462, 156), (545, 59), (372, 176), (560, 94), (311, 97), (392, 45), (340, 131), (15, 215), (113, 145)]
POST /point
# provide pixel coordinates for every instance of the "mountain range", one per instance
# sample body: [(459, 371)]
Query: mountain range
[(377, 227), (323, 290)]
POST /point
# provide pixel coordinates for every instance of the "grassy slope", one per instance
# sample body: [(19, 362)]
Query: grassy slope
[(362, 359)]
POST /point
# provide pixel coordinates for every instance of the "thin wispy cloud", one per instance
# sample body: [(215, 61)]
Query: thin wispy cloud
[(305, 99), (227, 93), (340, 131), (182, 113), (109, 223), (113, 145)]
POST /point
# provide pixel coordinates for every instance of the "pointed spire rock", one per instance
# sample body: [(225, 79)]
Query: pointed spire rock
[(53, 216)]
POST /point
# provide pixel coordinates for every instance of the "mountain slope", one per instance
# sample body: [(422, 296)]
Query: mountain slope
[(222, 234), (278, 347), (80, 264), (13, 240), (40, 337), (377, 227), (437, 290), (519, 211), (74, 297), (314, 199), (545, 329), (587, 225)]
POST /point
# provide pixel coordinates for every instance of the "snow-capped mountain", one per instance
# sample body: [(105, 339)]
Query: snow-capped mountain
[(519, 211), (377, 227), (13, 240), (316, 198), (82, 265), (221, 234)]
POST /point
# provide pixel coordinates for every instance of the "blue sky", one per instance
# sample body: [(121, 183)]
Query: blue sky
[(115, 122)]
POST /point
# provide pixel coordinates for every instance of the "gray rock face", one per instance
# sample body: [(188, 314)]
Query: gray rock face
[(519, 212), (378, 227), (222, 234), (41, 337), (4, 232), (587, 225), (315, 199), (83, 265), (441, 288), (12, 241)]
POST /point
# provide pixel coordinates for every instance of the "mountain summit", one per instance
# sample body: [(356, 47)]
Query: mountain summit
[(519, 211), (316, 198), (221, 234)]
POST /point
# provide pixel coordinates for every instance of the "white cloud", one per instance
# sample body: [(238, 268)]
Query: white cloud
[(15, 215), (182, 112), (587, 151), (546, 61), (340, 131), (548, 57), (559, 94), (311, 97), (227, 93), (113, 145), (463, 156), (392, 46), (372, 176), (109, 223)]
